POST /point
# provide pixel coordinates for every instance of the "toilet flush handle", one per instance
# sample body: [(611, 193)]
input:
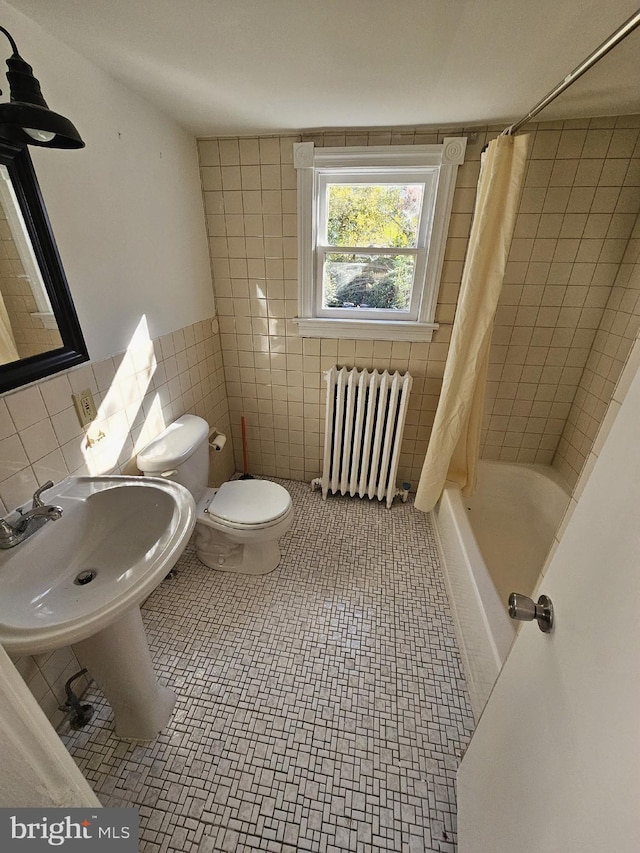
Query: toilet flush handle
[(168, 474)]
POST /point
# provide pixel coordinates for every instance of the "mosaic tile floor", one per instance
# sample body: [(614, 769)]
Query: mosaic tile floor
[(321, 707)]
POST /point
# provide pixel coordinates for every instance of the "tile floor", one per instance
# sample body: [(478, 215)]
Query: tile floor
[(321, 707)]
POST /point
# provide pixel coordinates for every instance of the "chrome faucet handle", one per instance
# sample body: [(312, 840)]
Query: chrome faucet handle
[(48, 513), (13, 534), (8, 536), (36, 496)]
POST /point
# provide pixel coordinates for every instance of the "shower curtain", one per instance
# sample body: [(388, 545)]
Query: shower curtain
[(455, 439)]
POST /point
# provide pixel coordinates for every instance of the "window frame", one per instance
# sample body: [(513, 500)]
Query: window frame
[(380, 164), (428, 177)]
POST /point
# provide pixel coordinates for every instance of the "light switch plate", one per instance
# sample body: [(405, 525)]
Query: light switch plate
[(85, 407)]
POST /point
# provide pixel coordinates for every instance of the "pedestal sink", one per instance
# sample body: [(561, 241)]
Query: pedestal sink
[(80, 581)]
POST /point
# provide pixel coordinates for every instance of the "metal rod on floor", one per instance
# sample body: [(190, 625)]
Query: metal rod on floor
[(614, 39)]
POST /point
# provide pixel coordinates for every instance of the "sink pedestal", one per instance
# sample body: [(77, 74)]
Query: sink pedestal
[(119, 660)]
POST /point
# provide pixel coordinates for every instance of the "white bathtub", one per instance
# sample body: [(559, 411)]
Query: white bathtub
[(490, 545)]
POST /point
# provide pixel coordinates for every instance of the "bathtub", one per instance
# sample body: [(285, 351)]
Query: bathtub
[(492, 544)]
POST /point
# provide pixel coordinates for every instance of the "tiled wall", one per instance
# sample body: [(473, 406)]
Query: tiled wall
[(137, 393), (274, 377), (626, 376), (579, 203), (613, 341), (578, 209)]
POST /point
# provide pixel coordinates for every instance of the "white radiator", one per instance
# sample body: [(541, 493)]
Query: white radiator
[(365, 417)]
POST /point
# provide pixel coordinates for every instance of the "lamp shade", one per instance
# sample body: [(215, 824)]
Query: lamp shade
[(27, 118), (49, 129)]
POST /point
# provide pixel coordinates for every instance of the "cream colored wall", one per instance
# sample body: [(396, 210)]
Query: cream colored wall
[(274, 377), (611, 347), (126, 210), (578, 208)]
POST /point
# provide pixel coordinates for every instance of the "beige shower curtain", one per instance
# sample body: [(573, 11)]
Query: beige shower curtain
[(455, 439)]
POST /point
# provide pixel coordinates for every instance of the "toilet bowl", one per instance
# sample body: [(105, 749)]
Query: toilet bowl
[(238, 524)]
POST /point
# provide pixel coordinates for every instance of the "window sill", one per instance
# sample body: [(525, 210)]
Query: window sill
[(365, 330)]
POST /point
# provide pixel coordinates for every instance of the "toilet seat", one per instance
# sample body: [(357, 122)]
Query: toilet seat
[(238, 525), (257, 512), (245, 505)]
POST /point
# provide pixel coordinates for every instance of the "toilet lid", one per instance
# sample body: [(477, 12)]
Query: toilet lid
[(250, 501)]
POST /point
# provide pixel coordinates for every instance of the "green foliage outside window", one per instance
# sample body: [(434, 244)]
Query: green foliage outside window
[(368, 281), (361, 216)]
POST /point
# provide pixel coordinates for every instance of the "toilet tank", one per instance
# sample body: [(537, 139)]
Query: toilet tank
[(180, 453)]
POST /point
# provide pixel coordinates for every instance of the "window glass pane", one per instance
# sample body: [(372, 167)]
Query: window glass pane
[(368, 281), (382, 215)]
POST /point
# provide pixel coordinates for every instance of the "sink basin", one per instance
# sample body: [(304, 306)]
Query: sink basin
[(128, 530), (121, 536)]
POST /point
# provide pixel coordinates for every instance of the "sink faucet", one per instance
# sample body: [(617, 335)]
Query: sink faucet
[(29, 521)]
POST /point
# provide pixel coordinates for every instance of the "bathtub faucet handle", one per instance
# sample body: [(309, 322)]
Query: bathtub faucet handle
[(524, 609)]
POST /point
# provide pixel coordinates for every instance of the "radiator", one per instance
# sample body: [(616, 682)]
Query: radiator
[(365, 417)]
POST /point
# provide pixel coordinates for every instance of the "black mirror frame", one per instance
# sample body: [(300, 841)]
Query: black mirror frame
[(74, 350)]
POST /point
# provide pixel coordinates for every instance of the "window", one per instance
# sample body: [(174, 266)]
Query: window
[(372, 225)]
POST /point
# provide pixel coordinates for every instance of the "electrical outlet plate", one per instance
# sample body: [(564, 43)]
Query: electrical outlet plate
[(85, 407)]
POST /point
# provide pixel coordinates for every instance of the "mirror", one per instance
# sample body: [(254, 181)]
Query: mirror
[(39, 329)]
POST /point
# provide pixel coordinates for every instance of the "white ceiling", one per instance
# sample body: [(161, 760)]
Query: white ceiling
[(246, 66)]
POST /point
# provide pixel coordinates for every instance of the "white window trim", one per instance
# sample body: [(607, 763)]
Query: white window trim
[(308, 160)]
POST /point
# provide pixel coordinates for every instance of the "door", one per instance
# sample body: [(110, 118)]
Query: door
[(554, 764)]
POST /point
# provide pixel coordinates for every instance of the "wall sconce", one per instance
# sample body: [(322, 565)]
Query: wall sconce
[(26, 118)]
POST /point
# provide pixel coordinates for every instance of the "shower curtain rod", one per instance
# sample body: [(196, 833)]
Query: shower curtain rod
[(615, 38)]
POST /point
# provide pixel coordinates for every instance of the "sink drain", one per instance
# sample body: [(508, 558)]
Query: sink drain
[(85, 577)]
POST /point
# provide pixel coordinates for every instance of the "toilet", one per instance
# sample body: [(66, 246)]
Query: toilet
[(239, 524)]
